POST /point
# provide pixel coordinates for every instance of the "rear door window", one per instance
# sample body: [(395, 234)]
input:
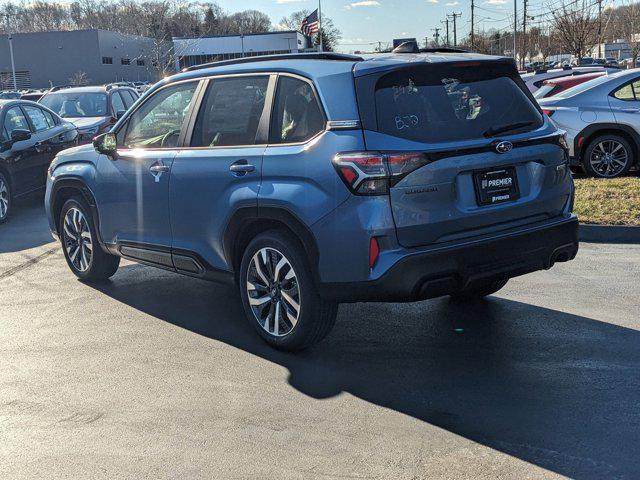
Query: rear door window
[(231, 112), (117, 105), (451, 103), (628, 92)]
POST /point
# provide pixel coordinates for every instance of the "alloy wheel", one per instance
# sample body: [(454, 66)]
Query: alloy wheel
[(4, 199), (273, 291), (609, 158), (77, 239)]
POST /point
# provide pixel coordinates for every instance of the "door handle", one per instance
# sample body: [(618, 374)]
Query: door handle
[(159, 168), (241, 168), (631, 110)]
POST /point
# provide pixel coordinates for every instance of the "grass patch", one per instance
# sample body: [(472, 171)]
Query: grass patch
[(613, 201)]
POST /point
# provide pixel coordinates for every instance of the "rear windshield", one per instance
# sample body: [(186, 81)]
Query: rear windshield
[(74, 105), (456, 102)]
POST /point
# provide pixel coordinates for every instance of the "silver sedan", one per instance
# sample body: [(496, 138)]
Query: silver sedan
[(602, 121)]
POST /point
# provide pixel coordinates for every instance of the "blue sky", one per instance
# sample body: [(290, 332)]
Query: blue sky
[(368, 21)]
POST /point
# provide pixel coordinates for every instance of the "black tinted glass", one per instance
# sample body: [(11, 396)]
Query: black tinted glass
[(451, 103), (297, 115), (231, 112)]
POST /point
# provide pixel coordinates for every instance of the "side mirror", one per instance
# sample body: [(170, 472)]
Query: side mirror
[(106, 144), (120, 114), (19, 135)]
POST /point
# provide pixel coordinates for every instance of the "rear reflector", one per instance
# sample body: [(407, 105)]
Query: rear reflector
[(548, 113), (374, 251), (373, 173)]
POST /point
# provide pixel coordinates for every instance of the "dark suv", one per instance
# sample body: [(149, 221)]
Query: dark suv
[(93, 110), (310, 180)]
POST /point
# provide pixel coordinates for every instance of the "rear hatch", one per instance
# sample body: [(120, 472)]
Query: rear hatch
[(486, 157)]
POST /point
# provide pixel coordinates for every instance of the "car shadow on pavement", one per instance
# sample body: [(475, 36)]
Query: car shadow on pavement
[(557, 390), (27, 227)]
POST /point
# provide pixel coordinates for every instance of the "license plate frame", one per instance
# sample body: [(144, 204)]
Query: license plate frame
[(496, 185)]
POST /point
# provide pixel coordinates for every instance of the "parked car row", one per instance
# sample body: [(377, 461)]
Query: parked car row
[(600, 111), (34, 133)]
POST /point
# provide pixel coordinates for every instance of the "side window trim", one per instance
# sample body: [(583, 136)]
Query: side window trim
[(123, 128), (636, 95), (32, 127)]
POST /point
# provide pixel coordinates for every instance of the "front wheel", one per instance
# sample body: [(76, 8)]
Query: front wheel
[(608, 156), (279, 295), (5, 198), (80, 245)]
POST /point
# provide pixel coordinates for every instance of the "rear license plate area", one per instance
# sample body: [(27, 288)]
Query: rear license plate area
[(497, 185)]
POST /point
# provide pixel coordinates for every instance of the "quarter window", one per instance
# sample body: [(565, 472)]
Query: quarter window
[(297, 115), (15, 120), (117, 105), (38, 120), (231, 112), (107, 60), (158, 122), (628, 92)]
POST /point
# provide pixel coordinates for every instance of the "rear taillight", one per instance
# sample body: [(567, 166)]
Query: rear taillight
[(374, 251), (373, 173), (548, 113)]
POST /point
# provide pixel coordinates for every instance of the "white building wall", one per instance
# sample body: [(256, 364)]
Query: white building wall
[(226, 47)]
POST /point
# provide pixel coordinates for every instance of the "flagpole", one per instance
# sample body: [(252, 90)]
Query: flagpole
[(320, 23)]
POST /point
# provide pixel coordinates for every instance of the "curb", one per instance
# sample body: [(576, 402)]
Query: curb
[(608, 233)]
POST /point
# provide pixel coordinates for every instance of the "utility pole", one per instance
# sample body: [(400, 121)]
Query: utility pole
[(515, 26), (599, 28), (436, 35), (446, 22), (524, 34), (454, 16), (473, 43), (13, 64)]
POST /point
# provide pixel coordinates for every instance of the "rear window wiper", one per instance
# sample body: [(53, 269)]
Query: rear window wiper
[(493, 131)]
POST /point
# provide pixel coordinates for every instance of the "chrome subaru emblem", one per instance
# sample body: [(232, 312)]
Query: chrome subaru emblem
[(504, 147)]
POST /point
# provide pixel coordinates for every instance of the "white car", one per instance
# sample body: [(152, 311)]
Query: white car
[(534, 81), (602, 121)]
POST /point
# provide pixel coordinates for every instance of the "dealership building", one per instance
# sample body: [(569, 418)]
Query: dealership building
[(197, 50), (43, 59)]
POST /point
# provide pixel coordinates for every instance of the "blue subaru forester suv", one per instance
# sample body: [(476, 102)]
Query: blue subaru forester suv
[(314, 179)]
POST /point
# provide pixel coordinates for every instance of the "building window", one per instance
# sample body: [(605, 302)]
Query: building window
[(107, 60), (125, 61), (140, 63)]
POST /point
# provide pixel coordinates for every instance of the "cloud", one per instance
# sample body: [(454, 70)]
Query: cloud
[(452, 4), (281, 2), (495, 2), (432, 1), (363, 3)]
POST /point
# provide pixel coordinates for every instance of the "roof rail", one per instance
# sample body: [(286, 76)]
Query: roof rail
[(443, 50), (111, 85), (284, 56), (60, 87)]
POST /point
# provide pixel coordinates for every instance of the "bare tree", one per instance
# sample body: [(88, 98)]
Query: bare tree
[(627, 27), (79, 79), (331, 35), (576, 26)]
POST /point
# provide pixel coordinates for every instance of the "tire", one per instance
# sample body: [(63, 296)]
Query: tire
[(480, 291), (608, 156), (277, 255), (86, 260), (6, 198)]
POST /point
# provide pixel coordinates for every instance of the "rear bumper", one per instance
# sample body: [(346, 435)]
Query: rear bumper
[(447, 270)]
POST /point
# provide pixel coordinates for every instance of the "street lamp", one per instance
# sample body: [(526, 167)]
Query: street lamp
[(13, 65)]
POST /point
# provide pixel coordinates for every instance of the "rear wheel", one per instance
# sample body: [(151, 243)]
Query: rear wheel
[(479, 291), (5, 198), (80, 245), (279, 295), (608, 156)]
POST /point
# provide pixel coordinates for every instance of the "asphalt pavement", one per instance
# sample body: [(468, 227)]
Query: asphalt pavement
[(154, 375)]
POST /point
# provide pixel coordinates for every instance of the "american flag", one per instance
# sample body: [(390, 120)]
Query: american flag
[(310, 25)]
